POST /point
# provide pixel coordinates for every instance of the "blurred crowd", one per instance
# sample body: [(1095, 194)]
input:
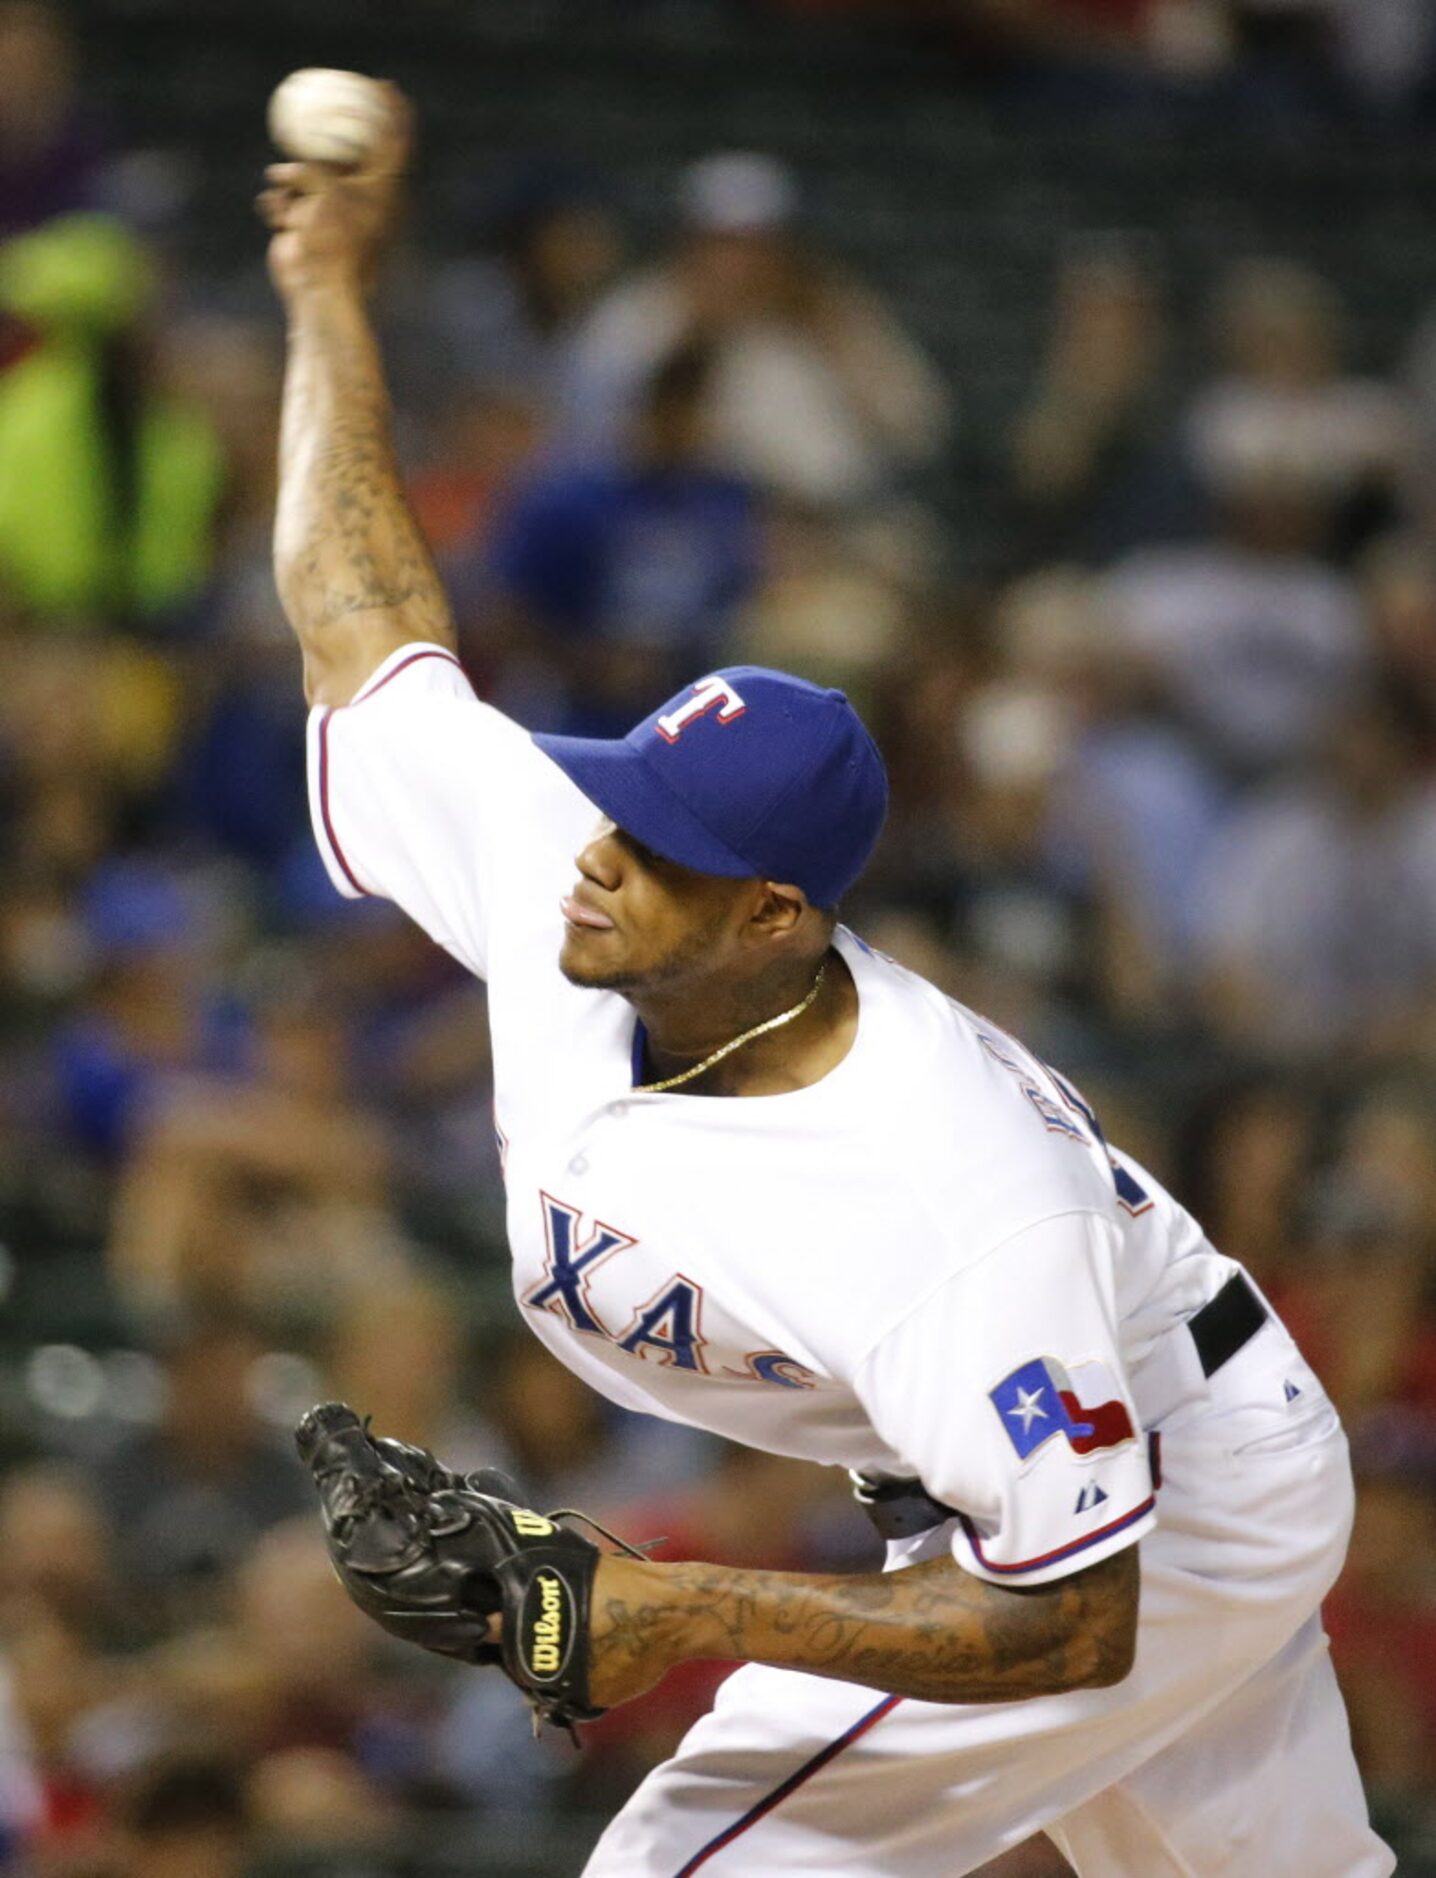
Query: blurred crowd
[(1164, 802), (1296, 57)]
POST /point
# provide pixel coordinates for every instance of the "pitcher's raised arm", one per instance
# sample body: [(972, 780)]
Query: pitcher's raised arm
[(354, 572), (420, 793)]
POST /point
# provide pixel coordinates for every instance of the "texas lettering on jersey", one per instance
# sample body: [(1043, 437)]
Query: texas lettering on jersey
[(666, 1328)]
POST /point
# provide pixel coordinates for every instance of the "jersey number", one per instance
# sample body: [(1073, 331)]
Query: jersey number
[(1058, 1112)]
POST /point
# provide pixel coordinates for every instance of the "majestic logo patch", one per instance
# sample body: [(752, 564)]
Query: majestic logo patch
[(547, 1632), (1043, 1399)]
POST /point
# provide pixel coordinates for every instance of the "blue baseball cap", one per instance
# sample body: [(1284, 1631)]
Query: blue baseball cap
[(747, 773)]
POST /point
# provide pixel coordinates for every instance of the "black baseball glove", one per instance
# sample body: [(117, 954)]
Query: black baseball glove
[(432, 1556)]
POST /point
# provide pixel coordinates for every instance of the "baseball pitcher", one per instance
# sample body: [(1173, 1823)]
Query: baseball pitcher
[(763, 1180)]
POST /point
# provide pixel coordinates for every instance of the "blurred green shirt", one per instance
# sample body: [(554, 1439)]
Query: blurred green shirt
[(70, 541)]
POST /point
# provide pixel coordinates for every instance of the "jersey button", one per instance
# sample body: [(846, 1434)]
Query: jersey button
[(618, 1110), (579, 1164)]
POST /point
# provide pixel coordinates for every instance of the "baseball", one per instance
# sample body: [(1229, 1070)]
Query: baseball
[(324, 116)]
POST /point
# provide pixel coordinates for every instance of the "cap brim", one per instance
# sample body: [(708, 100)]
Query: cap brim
[(617, 780)]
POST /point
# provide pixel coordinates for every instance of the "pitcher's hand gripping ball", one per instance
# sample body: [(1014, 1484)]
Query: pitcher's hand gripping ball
[(432, 1556)]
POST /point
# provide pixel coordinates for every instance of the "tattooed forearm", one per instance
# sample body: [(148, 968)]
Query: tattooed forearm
[(354, 572), (933, 1631)]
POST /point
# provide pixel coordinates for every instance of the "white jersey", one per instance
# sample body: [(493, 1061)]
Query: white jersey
[(928, 1264)]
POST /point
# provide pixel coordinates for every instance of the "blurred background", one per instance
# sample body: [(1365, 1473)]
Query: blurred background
[(1057, 375)]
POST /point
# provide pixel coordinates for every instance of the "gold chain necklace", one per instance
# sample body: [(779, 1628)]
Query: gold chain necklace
[(758, 1030)]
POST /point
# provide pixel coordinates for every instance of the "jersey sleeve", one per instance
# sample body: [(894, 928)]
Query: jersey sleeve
[(1004, 1393), (423, 795)]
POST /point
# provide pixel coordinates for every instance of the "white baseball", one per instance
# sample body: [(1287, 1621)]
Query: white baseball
[(323, 116)]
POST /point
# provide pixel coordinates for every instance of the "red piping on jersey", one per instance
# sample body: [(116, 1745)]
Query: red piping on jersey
[(426, 652), (795, 1780), (328, 820), (1062, 1551)]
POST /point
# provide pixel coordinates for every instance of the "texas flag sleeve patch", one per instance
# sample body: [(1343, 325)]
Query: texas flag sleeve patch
[(1043, 1399)]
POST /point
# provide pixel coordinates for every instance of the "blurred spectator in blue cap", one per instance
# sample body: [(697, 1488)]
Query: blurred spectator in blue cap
[(648, 557)]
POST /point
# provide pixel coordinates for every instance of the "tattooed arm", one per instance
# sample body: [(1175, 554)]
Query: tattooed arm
[(354, 572), (932, 1631)]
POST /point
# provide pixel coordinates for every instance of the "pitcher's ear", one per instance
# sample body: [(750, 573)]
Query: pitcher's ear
[(781, 907)]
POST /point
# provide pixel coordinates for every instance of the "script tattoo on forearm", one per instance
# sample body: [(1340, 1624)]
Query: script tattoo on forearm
[(346, 540), (933, 1631)]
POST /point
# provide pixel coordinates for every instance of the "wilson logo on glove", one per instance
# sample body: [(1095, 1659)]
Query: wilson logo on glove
[(547, 1627), (530, 1525), (455, 1562)]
